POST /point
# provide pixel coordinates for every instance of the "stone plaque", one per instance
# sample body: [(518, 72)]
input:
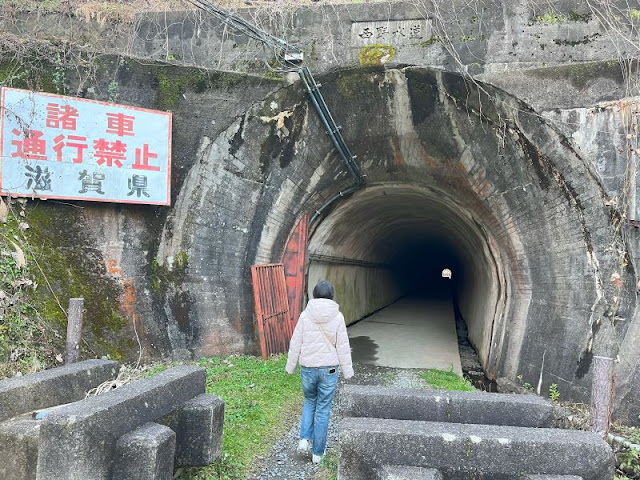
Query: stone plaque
[(391, 32)]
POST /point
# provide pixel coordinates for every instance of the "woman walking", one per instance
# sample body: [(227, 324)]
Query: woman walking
[(321, 345)]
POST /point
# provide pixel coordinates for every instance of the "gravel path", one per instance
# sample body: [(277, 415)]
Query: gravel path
[(283, 462)]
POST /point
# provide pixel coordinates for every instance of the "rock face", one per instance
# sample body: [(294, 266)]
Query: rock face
[(514, 177)]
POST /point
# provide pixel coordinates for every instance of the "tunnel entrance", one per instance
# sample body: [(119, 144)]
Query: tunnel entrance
[(387, 249)]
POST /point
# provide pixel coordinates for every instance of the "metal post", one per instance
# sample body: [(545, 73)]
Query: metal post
[(74, 329), (601, 393), (633, 167)]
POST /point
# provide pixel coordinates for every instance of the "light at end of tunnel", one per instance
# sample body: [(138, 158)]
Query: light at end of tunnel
[(446, 273)]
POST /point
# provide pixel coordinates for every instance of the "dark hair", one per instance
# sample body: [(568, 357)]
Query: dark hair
[(324, 289)]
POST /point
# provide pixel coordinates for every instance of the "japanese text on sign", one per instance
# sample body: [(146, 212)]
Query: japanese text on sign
[(62, 147), (394, 32)]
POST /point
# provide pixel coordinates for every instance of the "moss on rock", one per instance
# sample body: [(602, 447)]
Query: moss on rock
[(174, 81), (70, 267), (351, 83), (20, 75), (166, 277), (377, 54)]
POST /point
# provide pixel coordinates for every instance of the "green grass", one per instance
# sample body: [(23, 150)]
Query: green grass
[(258, 395), (446, 380), (328, 467), (628, 459), (388, 378)]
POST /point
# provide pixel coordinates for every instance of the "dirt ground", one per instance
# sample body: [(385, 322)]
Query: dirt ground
[(285, 463)]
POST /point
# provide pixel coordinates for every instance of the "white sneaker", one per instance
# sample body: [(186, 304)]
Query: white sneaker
[(303, 445), (316, 458)]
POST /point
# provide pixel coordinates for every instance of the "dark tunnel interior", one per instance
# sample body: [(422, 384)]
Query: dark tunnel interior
[(393, 241), (417, 267)]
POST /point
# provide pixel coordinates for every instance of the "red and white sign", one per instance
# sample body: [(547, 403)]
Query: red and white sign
[(52, 146)]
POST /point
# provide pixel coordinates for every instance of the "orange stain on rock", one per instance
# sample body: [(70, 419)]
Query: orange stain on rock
[(128, 305), (113, 269), (396, 160)]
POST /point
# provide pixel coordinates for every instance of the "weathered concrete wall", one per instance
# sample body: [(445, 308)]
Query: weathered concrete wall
[(481, 37), (541, 206), (362, 290), (109, 253), (525, 47)]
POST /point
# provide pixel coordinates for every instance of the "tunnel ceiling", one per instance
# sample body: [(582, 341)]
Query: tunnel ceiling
[(384, 223)]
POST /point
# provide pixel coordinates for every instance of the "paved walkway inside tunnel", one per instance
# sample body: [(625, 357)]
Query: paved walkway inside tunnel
[(411, 333)]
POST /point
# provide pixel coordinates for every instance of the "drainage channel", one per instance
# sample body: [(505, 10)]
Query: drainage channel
[(471, 368)]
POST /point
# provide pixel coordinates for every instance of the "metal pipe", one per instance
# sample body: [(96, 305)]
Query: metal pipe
[(622, 441), (324, 206), (601, 391), (281, 46), (332, 129), (315, 257)]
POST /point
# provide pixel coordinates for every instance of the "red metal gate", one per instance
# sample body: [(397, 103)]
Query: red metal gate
[(294, 260), (272, 308)]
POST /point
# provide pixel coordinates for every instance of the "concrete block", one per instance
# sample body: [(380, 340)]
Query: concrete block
[(198, 425), (77, 441), (19, 448), (146, 453), (551, 477), (446, 406), (56, 386), (458, 451), (401, 472)]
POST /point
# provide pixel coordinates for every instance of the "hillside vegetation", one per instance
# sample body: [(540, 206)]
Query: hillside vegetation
[(122, 9)]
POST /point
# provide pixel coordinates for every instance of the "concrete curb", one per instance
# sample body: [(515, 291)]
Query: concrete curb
[(497, 452), (446, 406)]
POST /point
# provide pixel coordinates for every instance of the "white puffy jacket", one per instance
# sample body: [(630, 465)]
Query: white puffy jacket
[(311, 347)]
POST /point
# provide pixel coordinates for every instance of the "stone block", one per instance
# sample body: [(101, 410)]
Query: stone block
[(198, 425), (19, 448), (446, 406), (146, 453), (401, 472), (56, 386), (458, 451), (78, 440), (551, 477)]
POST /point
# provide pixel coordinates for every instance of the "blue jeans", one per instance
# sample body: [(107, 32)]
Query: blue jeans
[(318, 386)]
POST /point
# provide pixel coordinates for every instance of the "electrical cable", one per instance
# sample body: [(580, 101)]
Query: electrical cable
[(290, 57)]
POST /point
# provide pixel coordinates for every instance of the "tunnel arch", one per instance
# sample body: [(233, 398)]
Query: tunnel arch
[(412, 233), (435, 142)]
